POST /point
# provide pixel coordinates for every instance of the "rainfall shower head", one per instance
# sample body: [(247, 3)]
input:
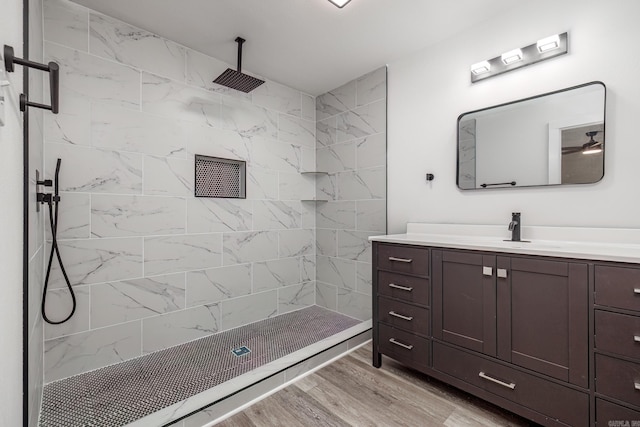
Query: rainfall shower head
[(236, 79)]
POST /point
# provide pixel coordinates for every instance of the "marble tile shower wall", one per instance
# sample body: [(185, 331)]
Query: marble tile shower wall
[(351, 148), (151, 265)]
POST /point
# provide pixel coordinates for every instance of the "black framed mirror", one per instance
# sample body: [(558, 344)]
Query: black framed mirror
[(556, 138)]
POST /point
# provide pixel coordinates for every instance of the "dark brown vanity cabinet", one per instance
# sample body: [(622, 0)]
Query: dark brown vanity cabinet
[(617, 343), (527, 311), (401, 303), (512, 329)]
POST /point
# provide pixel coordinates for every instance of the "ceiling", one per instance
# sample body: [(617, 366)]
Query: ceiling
[(310, 45)]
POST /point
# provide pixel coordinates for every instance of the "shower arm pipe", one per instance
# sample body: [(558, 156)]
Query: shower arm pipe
[(240, 40), (54, 79)]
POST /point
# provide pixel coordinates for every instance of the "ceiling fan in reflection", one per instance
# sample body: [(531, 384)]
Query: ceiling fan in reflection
[(590, 147)]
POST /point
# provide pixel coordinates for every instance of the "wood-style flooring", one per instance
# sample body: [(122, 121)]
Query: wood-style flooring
[(351, 392)]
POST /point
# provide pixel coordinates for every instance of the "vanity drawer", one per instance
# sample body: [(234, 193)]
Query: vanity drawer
[(617, 287), (403, 259), (618, 333), (553, 400), (405, 347), (618, 379), (406, 288), (404, 316), (607, 412)]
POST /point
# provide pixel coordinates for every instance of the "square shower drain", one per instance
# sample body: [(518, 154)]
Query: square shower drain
[(241, 351)]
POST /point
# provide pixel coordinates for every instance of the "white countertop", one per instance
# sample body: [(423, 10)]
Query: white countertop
[(605, 244)]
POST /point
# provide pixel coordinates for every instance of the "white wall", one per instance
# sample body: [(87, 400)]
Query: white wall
[(428, 91), (11, 226)]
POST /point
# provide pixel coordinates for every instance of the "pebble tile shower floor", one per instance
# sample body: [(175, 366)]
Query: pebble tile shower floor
[(119, 394)]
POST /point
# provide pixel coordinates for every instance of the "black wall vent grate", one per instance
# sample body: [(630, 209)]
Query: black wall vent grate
[(223, 178)]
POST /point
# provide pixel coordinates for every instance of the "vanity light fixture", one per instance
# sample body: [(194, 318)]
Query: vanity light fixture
[(340, 3), (548, 43), (512, 56), (481, 68), (545, 48)]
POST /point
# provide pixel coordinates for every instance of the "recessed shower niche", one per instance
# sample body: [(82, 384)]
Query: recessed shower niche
[(222, 178)]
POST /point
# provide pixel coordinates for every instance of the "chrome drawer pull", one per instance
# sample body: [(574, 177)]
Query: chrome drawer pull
[(636, 290), (487, 271), (402, 288), (400, 316), (511, 386), (407, 260), (636, 338), (636, 386), (502, 273), (408, 347)]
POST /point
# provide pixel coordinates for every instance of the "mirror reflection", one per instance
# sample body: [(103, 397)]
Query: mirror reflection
[(551, 139)]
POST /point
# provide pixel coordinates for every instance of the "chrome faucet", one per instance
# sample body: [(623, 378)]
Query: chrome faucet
[(514, 226)]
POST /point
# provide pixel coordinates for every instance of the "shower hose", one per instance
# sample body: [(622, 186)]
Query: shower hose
[(53, 202)]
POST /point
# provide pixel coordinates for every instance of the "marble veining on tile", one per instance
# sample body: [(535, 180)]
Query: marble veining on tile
[(326, 132), (296, 131), (269, 215), (211, 141), (119, 302), (178, 327), (92, 170), (59, 305), (84, 75), (308, 268), (126, 44), (262, 184), (66, 23), (276, 273), (248, 120), (217, 284), (296, 297), (207, 215), (336, 101), (113, 216), (90, 261), (371, 87), (74, 354), (371, 215), (74, 217), (171, 254), (278, 156), (250, 308), (362, 121), (354, 245), (249, 246), (338, 215), (293, 243), (362, 184), (308, 109), (127, 130), (337, 271), (364, 281), (278, 97), (174, 100), (167, 176)]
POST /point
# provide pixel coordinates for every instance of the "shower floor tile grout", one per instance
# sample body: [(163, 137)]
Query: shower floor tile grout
[(119, 394)]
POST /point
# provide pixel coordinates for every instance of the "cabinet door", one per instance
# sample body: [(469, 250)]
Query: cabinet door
[(542, 310), (464, 299)]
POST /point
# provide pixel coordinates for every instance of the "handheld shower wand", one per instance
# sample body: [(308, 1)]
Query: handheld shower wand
[(53, 200)]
